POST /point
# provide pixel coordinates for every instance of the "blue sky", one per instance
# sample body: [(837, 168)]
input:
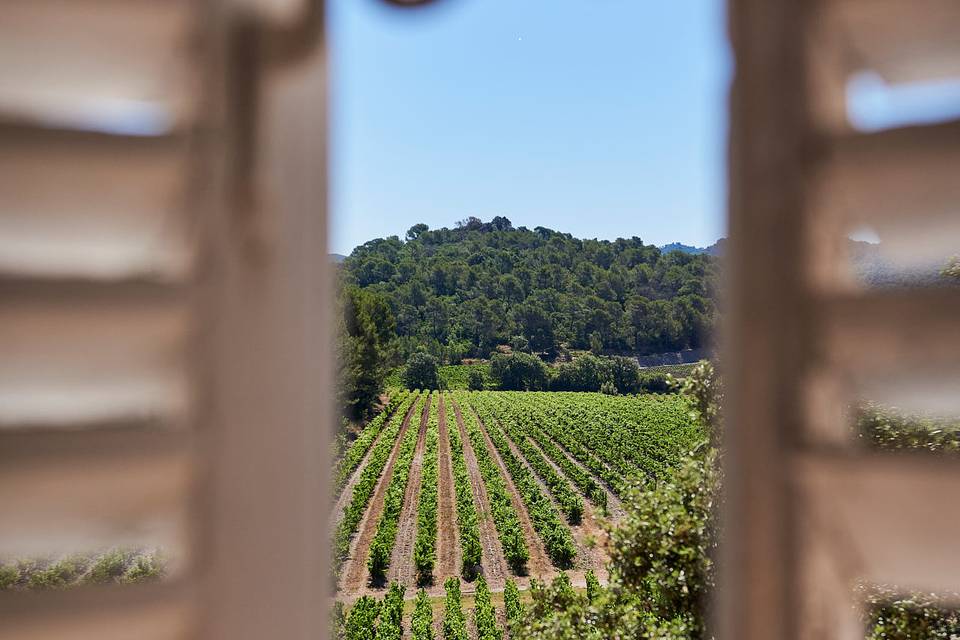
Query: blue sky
[(602, 118)]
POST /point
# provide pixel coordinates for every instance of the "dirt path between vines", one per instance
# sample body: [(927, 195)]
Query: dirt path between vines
[(539, 565), (347, 494), (589, 536), (355, 568), (448, 545), (614, 505), (584, 557), (401, 561), (492, 562)]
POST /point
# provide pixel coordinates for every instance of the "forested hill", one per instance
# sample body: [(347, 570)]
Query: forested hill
[(461, 292)]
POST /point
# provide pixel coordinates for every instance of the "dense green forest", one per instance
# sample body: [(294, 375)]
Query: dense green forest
[(462, 292), (465, 292)]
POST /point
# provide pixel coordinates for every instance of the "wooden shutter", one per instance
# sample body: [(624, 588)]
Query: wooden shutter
[(163, 321), (807, 513)]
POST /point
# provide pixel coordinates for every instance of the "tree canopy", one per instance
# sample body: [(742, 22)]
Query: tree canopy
[(366, 338), (421, 372), (461, 292)]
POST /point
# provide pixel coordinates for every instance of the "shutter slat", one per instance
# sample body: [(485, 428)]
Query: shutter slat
[(81, 360), (888, 518), (901, 184), (903, 40), (91, 205), (903, 173), (97, 64), (886, 330), (147, 612), (93, 496)]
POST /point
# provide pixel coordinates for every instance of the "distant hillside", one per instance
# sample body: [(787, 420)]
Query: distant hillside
[(464, 291), (876, 270), (716, 249), (337, 258)]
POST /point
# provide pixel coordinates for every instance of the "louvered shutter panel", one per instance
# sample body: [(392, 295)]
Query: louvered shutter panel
[(163, 377), (808, 513)]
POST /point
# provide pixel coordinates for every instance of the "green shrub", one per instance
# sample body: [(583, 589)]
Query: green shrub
[(146, 568), (484, 616), (425, 546), (593, 586), (58, 575), (513, 606), (608, 389), (8, 577), (361, 622), (391, 614), (952, 270), (519, 372), (422, 624), (890, 615), (661, 574), (475, 381), (109, 567), (653, 382), (421, 372), (454, 622), (890, 429)]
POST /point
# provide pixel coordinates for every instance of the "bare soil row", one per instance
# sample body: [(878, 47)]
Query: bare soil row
[(589, 535), (448, 543), (355, 576), (401, 562)]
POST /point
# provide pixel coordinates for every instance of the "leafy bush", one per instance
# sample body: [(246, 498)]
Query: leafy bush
[(891, 615), (662, 551), (558, 611), (475, 381), (8, 577), (608, 389), (513, 606), (422, 625), (585, 373), (593, 587), (890, 429), (109, 567), (421, 372), (425, 547), (454, 622), (484, 616), (704, 389), (361, 623), (391, 614), (952, 270), (661, 573), (519, 372), (610, 375), (60, 574), (654, 382), (146, 568)]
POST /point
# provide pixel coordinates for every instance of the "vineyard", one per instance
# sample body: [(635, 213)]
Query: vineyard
[(457, 494)]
